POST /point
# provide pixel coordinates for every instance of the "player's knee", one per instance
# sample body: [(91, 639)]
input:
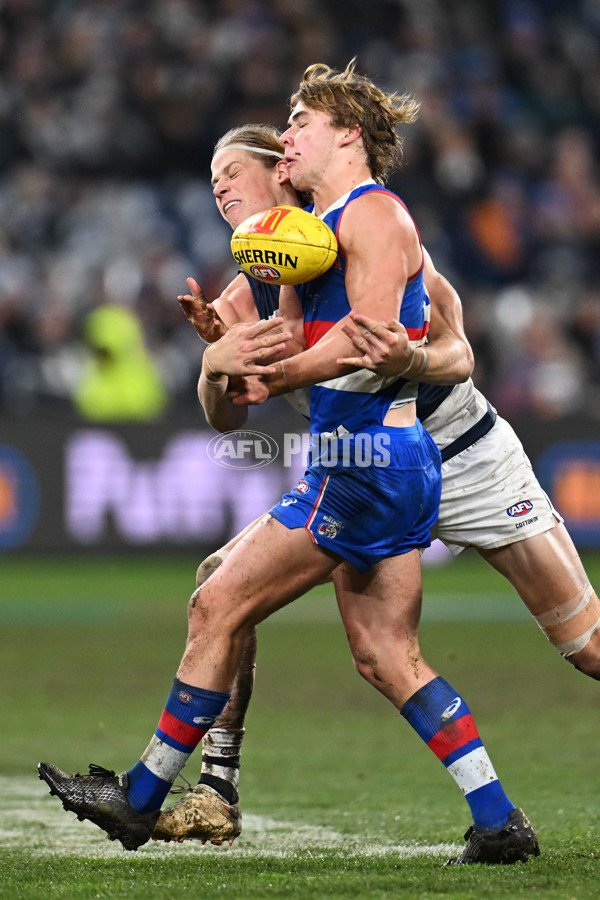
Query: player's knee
[(213, 613), (203, 611), (365, 663), (210, 565)]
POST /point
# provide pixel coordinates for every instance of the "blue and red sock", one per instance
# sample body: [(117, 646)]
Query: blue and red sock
[(443, 720), (188, 714)]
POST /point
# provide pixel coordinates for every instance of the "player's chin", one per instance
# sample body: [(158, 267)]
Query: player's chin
[(234, 215), (292, 169), (232, 220)]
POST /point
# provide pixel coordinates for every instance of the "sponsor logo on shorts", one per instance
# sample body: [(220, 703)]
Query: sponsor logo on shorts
[(302, 487), (520, 509), (185, 697), (330, 527), (526, 522), (450, 710), (242, 450), (267, 272)]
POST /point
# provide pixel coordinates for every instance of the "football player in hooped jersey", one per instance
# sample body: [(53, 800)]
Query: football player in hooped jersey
[(342, 136), (485, 473)]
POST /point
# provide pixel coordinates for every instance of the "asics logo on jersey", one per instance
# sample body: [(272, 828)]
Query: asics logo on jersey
[(520, 509), (450, 710)]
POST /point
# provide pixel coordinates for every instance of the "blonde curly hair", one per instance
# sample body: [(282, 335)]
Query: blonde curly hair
[(352, 99)]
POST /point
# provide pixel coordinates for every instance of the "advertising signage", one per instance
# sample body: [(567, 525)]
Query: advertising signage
[(68, 486)]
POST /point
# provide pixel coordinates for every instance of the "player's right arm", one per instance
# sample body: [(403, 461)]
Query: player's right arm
[(218, 408)]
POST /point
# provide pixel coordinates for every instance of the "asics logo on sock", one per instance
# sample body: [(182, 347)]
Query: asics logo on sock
[(203, 720), (450, 710)]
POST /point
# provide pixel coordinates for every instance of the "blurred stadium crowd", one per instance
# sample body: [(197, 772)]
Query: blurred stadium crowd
[(109, 111)]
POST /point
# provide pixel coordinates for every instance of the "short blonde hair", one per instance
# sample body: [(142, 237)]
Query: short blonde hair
[(263, 137), (353, 99)]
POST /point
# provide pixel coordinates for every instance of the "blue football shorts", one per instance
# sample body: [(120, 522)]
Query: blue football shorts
[(366, 513)]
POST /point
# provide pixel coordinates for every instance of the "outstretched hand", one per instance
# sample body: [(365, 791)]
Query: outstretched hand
[(383, 347), (245, 349), (200, 312)]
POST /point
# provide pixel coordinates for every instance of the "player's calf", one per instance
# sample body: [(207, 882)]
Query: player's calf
[(573, 627)]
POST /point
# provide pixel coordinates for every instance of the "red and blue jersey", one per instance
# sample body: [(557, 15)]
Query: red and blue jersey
[(362, 398)]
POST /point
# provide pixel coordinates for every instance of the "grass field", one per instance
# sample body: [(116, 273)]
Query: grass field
[(340, 798)]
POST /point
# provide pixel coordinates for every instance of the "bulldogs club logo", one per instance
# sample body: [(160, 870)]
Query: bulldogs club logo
[(302, 487), (329, 527)]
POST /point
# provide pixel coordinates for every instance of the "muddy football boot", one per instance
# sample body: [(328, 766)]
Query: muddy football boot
[(101, 797), (515, 842), (202, 815)]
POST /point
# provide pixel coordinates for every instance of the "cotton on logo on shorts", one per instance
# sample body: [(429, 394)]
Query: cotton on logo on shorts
[(520, 509), (242, 450)]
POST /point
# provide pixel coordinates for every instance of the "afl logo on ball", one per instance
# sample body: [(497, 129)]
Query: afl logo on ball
[(266, 273), (520, 509)]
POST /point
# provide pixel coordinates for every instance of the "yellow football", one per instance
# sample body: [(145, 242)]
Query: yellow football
[(284, 245)]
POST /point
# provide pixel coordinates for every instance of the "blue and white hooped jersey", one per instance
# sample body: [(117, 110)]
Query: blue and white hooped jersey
[(362, 398)]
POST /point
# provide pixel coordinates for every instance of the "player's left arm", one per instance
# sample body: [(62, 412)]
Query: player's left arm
[(383, 347), (449, 354)]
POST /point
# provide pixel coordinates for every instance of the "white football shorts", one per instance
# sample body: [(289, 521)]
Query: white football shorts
[(491, 496)]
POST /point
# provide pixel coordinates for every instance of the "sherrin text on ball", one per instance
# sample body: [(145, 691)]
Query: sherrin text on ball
[(284, 245)]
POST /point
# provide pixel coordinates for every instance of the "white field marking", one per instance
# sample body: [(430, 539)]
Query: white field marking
[(30, 818)]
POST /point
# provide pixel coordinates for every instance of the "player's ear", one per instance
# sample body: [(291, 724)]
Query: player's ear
[(283, 174), (351, 134)]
